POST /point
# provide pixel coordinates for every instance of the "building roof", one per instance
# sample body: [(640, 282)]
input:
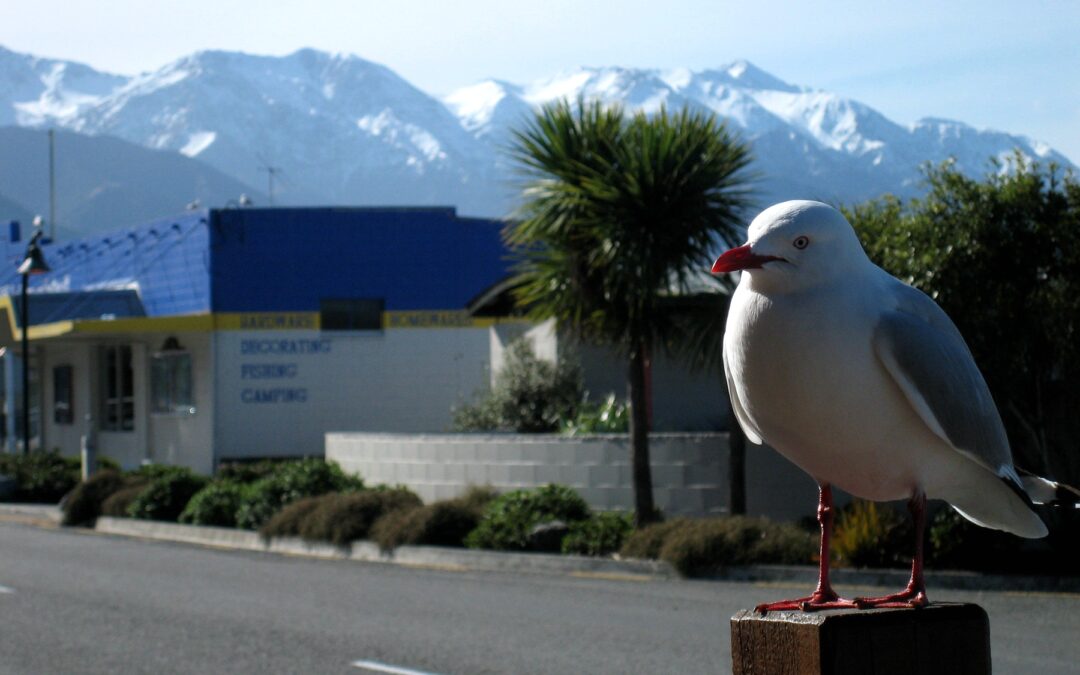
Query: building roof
[(259, 260), (52, 307), (164, 262)]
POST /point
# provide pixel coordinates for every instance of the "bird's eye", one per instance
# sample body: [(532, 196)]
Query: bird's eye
[(800, 242)]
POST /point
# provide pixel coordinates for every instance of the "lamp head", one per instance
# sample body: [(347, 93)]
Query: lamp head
[(34, 263)]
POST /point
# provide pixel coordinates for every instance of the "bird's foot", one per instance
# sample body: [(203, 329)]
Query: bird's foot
[(909, 597), (812, 603)]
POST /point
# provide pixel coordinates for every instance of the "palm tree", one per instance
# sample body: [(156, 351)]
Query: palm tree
[(619, 214)]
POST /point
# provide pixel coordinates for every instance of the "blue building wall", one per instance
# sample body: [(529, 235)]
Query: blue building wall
[(275, 260), (269, 260)]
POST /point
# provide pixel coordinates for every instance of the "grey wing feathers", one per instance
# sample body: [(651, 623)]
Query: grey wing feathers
[(924, 352)]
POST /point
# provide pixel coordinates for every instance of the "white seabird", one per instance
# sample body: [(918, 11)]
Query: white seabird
[(864, 383)]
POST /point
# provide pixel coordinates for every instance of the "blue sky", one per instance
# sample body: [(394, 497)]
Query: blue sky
[(1011, 66)]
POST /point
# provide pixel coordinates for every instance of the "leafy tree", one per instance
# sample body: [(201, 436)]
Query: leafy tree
[(1001, 255), (621, 212)]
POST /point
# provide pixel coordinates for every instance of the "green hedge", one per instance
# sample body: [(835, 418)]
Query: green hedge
[(600, 535), (216, 504), (287, 483), (42, 477), (509, 519), (166, 495)]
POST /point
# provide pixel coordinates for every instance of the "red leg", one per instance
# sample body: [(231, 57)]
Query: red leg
[(823, 596), (915, 593)]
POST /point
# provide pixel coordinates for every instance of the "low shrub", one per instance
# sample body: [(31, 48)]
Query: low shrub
[(216, 504), (249, 472), (510, 518), (647, 542), (343, 518), (288, 521), (600, 535), (151, 471), (288, 482), (698, 547), (443, 523), (116, 504), (165, 497), (868, 534), (41, 477), (338, 518), (83, 505)]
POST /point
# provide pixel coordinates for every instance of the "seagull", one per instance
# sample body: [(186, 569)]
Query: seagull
[(866, 384)]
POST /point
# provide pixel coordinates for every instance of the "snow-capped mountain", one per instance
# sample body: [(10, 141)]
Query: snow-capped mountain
[(340, 129), (36, 91), (806, 143), (337, 129)]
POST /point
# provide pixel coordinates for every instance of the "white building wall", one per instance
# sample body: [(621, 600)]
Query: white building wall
[(278, 392), (184, 438), (65, 437), (163, 438)]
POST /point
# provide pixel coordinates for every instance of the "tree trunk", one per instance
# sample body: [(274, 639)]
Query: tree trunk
[(645, 511), (736, 469)]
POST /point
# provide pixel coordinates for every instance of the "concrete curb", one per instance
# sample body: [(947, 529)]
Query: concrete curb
[(46, 513), (436, 557), (413, 556)]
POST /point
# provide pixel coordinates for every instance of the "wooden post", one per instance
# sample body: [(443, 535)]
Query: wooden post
[(942, 639)]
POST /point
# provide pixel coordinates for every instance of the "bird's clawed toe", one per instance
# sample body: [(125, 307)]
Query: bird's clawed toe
[(812, 603), (909, 597)]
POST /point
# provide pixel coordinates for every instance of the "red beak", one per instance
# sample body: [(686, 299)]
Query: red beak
[(741, 258)]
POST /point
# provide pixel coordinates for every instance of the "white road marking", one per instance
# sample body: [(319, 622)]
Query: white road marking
[(6, 589), (387, 668)]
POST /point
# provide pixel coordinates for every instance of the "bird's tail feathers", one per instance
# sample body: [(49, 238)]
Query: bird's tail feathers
[(1049, 492)]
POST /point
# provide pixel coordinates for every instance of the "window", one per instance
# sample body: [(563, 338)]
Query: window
[(170, 382), (63, 406), (117, 389), (351, 313)]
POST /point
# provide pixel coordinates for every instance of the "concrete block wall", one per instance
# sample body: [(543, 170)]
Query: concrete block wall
[(689, 469)]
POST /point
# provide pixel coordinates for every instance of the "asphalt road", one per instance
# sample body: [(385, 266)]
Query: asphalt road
[(73, 602)]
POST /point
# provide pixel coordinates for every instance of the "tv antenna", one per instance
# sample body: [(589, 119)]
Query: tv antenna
[(271, 173)]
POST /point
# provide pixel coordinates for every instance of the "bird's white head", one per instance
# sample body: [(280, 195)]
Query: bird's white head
[(794, 245)]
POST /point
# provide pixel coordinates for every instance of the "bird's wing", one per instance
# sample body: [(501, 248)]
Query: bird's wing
[(752, 434), (925, 354)]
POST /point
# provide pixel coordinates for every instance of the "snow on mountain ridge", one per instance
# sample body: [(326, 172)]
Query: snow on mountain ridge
[(40, 90), (344, 130)]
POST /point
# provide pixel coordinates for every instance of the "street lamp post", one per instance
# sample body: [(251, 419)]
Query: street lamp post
[(33, 263)]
